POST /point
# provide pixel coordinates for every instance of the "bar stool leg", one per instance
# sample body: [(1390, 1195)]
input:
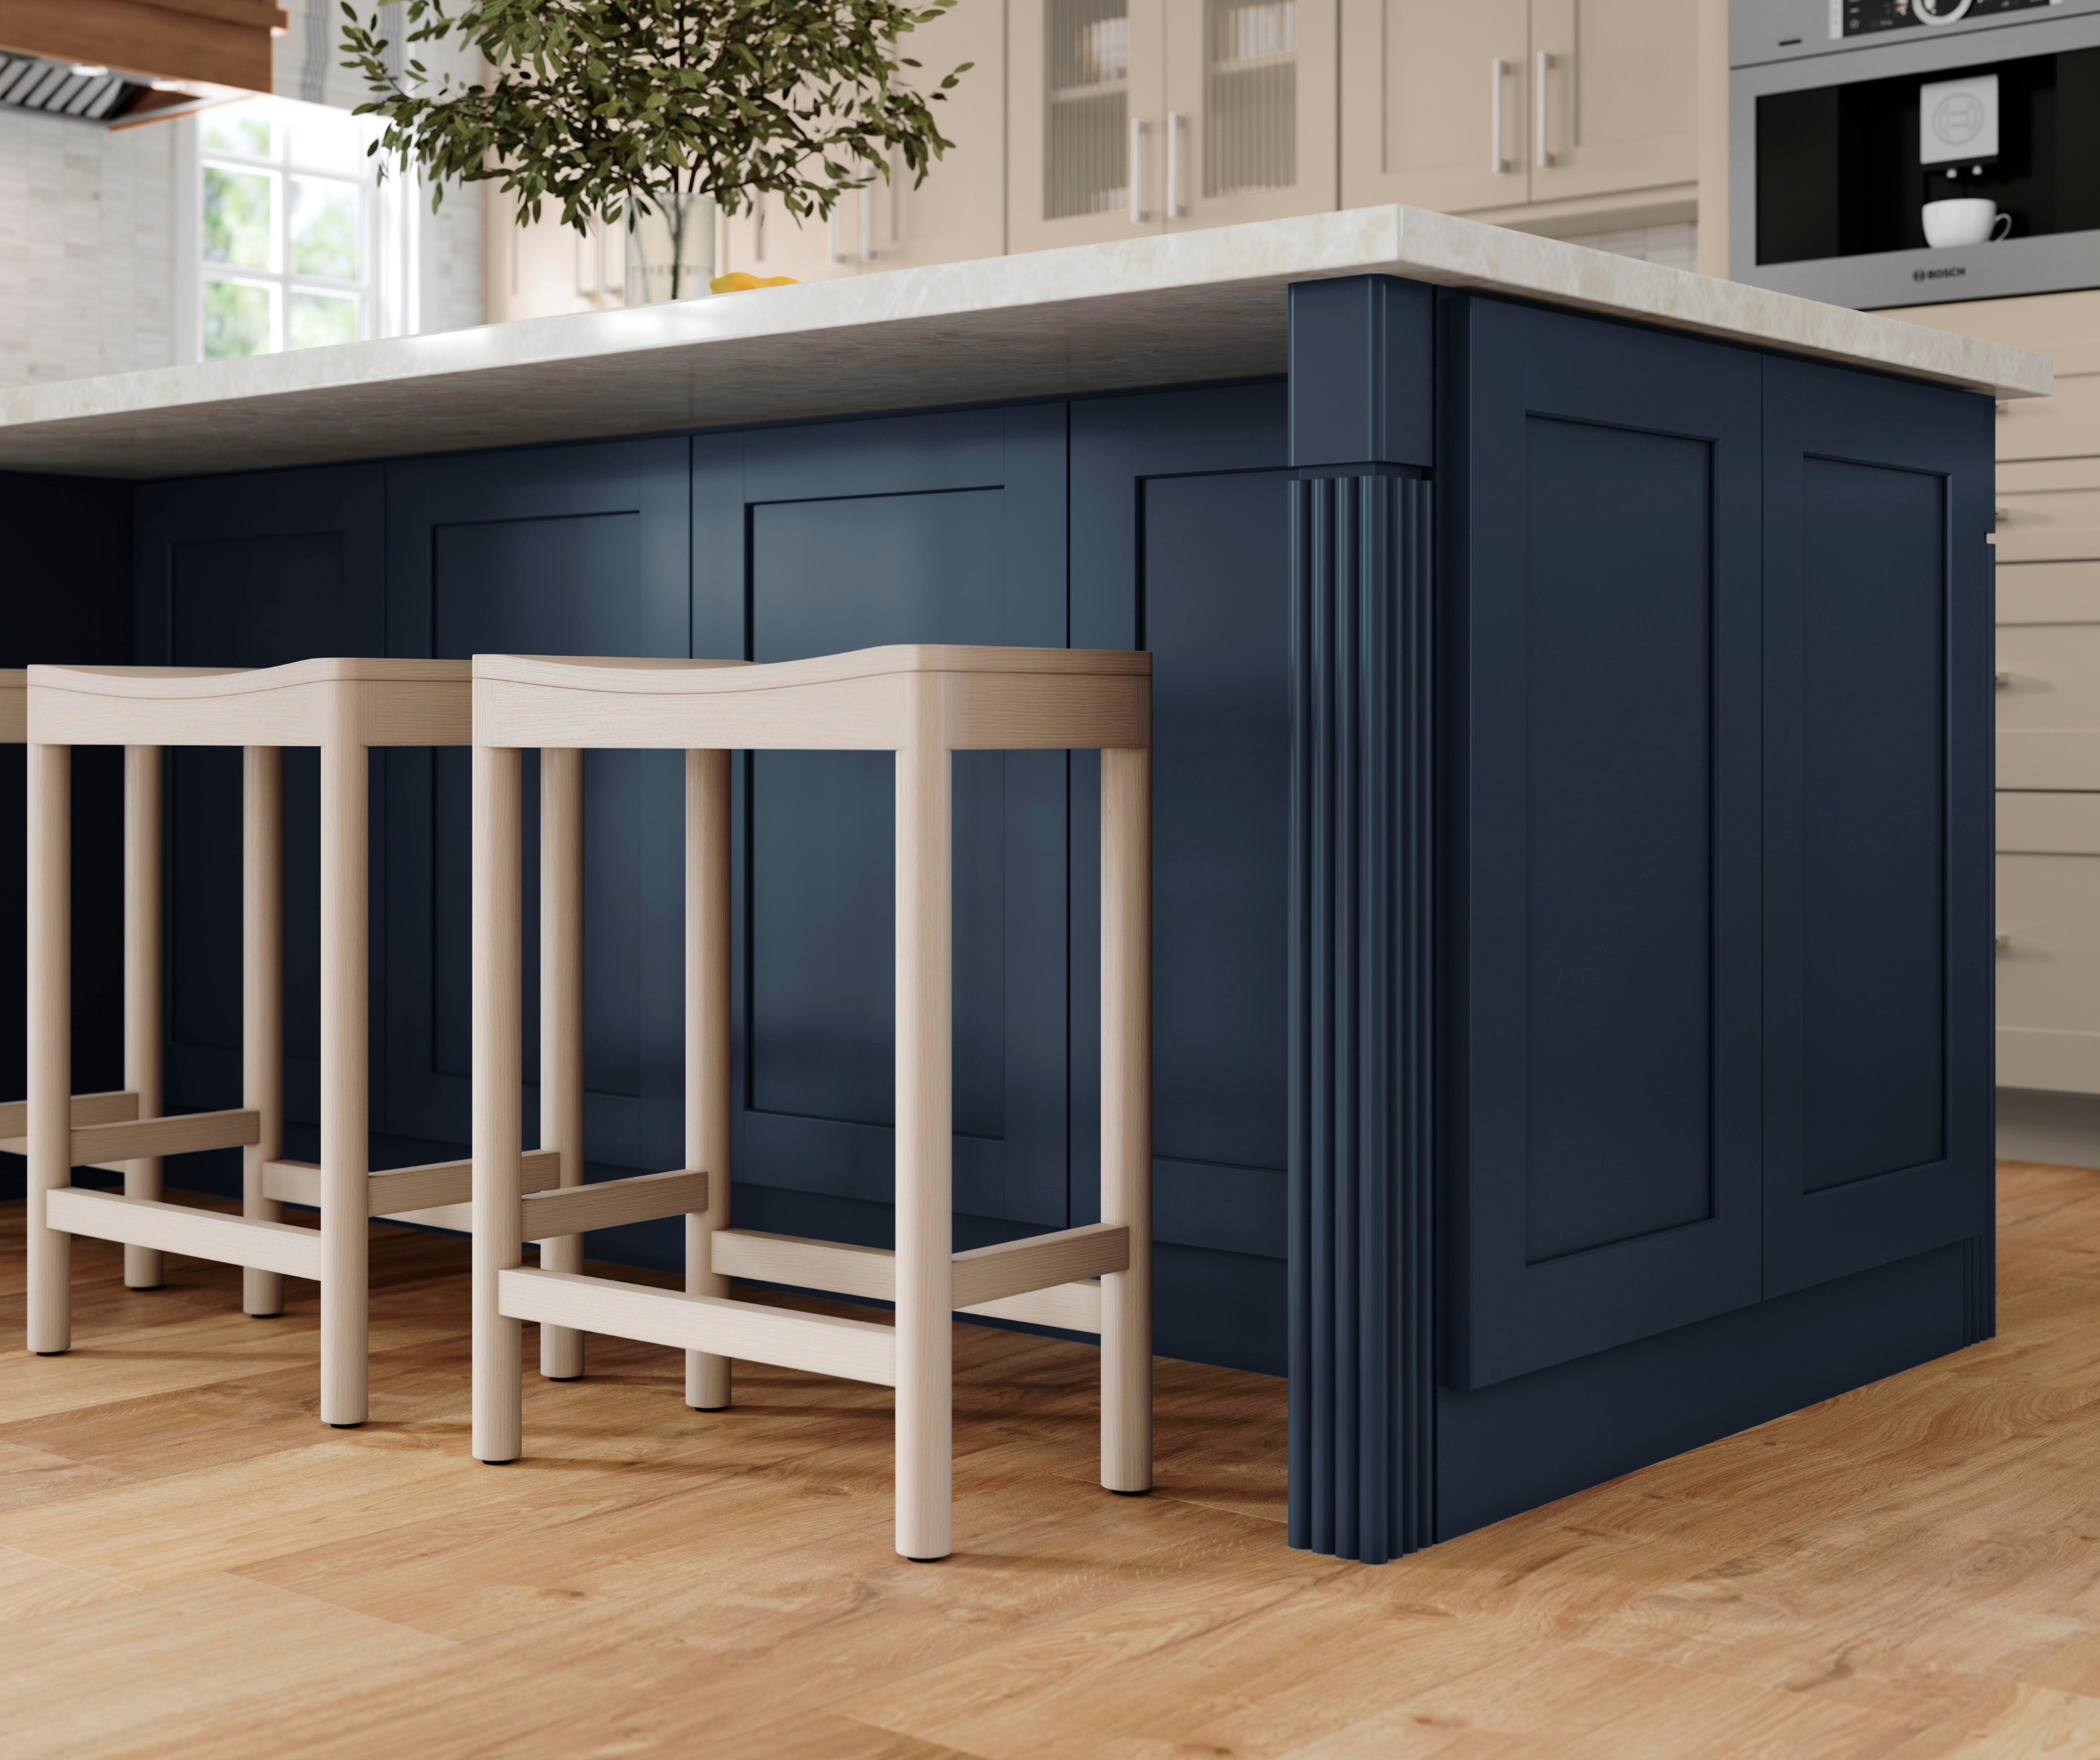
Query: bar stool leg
[(262, 1000), (346, 1200), (142, 981), (1126, 1115), (561, 1019), (925, 1274), (498, 1186), (706, 1046), (51, 1042)]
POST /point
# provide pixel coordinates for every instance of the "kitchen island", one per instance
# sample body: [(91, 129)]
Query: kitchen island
[(1572, 690)]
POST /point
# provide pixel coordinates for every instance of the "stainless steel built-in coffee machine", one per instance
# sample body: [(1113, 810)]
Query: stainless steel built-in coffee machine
[(1900, 153)]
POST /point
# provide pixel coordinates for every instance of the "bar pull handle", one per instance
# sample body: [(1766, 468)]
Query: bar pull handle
[(1498, 71), (866, 224), (1176, 207), (831, 235), (1137, 213), (1545, 64)]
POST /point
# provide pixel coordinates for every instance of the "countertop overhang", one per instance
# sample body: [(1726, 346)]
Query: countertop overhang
[(1144, 311)]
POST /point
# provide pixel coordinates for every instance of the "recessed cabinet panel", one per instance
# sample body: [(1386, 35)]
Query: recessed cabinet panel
[(1609, 1102), (1878, 929), (1433, 103), (1614, 96), (1249, 128)]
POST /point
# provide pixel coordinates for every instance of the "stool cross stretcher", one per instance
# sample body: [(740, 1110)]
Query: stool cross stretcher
[(924, 704), (345, 707)]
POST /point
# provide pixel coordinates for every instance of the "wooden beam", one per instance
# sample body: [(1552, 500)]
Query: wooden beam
[(176, 1228), (400, 1190), (183, 1133), (856, 1350), (642, 1198), (113, 1107), (1041, 1261)]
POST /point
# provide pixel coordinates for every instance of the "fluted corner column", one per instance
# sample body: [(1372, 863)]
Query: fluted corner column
[(1363, 919)]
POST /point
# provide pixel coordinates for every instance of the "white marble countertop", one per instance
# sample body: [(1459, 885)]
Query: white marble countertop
[(1156, 310)]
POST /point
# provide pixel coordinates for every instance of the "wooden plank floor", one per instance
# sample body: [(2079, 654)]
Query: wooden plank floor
[(191, 1565)]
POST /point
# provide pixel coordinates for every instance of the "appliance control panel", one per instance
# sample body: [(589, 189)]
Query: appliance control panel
[(1863, 18)]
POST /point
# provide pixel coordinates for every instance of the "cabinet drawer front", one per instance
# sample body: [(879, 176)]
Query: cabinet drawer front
[(2049, 823), (2066, 425), (2047, 526), (2050, 677), (2048, 592), (2048, 758), (2049, 971)]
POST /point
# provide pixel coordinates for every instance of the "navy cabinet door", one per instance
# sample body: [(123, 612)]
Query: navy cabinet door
[(250, 570), (1604, 1140), (1181, 529), (942, 528), (1877, 1036), (578, 550)]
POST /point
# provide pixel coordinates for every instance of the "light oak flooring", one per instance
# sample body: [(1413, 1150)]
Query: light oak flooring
[(191, 1565)]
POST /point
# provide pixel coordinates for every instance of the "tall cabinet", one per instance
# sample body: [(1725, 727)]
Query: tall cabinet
[(1152, 115), (1502, 103)]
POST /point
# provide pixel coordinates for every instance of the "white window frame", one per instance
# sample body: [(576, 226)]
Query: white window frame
[(387, 294)]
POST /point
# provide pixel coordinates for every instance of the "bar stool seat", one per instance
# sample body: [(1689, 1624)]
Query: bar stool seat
[(344, 707), (923, 703)]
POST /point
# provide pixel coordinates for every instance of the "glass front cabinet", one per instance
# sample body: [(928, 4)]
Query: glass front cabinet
[(1151, 115)]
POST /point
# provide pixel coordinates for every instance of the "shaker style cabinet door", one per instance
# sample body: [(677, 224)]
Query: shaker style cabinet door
[(1878, 929), (1604, 1113), (960, 211), (1613, 98), (1433, 103), (1249, 128), (1086, 104)]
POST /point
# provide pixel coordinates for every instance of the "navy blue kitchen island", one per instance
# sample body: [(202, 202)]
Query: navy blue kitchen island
[(1572, 777)]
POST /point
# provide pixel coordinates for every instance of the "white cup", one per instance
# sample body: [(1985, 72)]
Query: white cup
[(1966, 220)]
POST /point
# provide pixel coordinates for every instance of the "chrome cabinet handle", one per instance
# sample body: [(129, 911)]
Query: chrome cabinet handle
[(1546, 63), (1137, 215), (1175, 208), (1498, 71)]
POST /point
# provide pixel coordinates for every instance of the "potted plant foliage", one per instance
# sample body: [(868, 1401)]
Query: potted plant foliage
[(656, 111)]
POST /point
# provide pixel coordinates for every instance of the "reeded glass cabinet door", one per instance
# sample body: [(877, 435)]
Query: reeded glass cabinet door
[(1436, 104), (1086, 94), (1249, 131)]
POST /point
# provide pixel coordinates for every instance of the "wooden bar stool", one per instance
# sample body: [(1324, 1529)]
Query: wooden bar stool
[(923, 703), (345, 707), (141, 1092)]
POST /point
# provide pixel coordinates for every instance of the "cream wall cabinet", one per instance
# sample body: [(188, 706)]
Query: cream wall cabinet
[(1499, 104), (956, 214), (1131, 117)]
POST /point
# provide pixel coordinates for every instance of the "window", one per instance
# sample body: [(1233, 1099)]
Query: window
[(289, 231)]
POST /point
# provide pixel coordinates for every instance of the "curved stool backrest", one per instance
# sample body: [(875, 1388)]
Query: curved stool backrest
[(343, 707), (924, 704)]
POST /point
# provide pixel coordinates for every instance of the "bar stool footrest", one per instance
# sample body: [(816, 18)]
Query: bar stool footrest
[(178, 1229), (610, 1203), (855, 1350), (404, 1192), (1042, 1280)]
